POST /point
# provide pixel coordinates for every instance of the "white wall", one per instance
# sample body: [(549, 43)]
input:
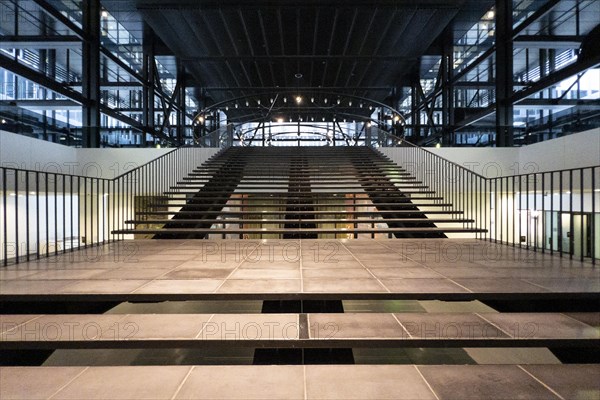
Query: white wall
[(109, 163), (573, 151), (18, 151)]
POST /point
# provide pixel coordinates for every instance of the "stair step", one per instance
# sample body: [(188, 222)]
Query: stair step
[(311, 205), (304, 220), (293, 231), (278, 212), (312, 179), (247, 191), (316, 197), (569, 381), (342, 330), (275, 172), (308, 186)]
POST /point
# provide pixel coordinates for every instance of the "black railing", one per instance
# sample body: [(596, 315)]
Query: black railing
[(554, 211), (48, 213)]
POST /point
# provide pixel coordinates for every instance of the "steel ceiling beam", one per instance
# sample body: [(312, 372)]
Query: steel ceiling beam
[(302, 88), (266, 4)]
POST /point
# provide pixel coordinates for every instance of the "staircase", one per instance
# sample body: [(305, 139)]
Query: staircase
[(298, 318), (300, 192)]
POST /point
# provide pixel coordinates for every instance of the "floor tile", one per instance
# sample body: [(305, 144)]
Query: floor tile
[(570, 381), (407, 272), (163, 326), (180, 286), (280, 382), (32, 383), (448, 326), (476, 382), (9, 323), (422, 286), (197, 273), (365, 382), (32, 287), (133, 273), (266, 274), (499, 285), (125, 383), (260, 286), (336, 273), (349, 326), (48, 328), (351, 285), (542, 325), (252, 327), (567, 284), (103, 286)]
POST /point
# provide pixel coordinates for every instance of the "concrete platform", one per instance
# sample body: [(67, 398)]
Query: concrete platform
[(443, 269), (303, 382), (321, 330)]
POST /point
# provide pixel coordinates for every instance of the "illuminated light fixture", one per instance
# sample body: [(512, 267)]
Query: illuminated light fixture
[(369, 124), (360, 105), (312, 119), (271, 100), (350, 103), (396, 118), (312, 99), (325, 100), (298, 99), (31, 192), (490, 14), (104, 14), (247, 104), (596, 190), (236, 105), (200, 119), (323, 119), (438, 145), (226, 108), (567, 192), (158, 145), (338, 101), (280, 120), (12, 194), (3, 121), (285, 99), (371, 108), (258, 102)]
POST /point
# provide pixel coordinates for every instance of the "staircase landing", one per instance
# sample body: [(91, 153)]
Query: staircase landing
[(442, 269)]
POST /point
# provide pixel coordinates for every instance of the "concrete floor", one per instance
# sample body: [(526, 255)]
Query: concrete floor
[(304, 382), (444, 269)]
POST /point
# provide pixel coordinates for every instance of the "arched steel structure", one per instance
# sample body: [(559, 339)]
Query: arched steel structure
[(324, 118)]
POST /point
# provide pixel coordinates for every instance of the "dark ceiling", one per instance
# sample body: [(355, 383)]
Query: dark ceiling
[(365, 48)]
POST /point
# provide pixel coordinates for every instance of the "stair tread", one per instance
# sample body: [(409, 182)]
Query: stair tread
[(285, 330), (311, 382)]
